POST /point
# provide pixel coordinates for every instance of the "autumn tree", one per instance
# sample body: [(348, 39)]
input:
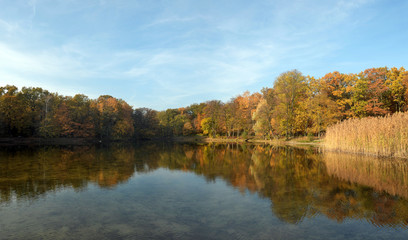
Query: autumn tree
[(114, 118), (246, 106), (172, 122), (405, 84), (295, 105), (264, 115), (75, 117), (339, 88), (13, 112), (377, 95), (212, 124), (262, 119), (230, 118), (290, 90), (196, 115), (397, 82), (321, 109)]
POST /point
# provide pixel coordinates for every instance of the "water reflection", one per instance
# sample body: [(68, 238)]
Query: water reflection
[(29, 173), (299, 183), (390, 175)]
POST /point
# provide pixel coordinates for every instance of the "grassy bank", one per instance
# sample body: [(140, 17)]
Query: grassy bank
[(180, 139), (204, 139), (379, 136)]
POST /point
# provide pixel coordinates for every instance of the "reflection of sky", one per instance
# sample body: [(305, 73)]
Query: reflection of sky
[(191, 191), (162, 54), (167, 204)]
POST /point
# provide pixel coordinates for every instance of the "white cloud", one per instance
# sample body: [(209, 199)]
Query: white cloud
[(173, 20), (216, 52), (8, 27)]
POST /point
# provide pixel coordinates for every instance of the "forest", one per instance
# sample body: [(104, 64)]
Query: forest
[(296, 105)]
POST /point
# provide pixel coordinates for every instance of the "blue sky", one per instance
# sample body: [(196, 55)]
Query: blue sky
[(168, 54)]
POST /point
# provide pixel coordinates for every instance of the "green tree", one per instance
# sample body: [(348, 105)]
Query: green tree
[(290, 90), (230, 117), (196, 114), (146, 123), (14, 115), (262, 118), (395, 82), (213, 121)]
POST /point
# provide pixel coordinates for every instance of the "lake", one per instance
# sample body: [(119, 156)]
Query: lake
[(214, 191)]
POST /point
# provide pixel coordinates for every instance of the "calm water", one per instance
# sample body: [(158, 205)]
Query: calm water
[(199, 192)]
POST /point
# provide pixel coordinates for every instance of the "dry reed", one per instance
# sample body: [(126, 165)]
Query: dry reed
[(379, 136)]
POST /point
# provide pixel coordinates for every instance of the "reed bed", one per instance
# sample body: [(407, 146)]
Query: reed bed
[(379, 136)]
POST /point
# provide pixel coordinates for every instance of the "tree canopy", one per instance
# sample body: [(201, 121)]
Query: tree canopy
[(295, 105)]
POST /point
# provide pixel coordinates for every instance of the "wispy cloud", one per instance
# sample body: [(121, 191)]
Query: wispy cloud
[(170, 54), (173, 20), (33, 4), (8, 27)]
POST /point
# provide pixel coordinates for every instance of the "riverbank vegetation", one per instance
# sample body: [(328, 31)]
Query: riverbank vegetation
[(296, 105), (380, 136)]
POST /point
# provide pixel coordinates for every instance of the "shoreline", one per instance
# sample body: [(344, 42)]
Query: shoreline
[(46, 141), (278, 142), (178, 139), (296, 142)]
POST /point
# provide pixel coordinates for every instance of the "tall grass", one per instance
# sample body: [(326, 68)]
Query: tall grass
[(380, 136), (388, 175)]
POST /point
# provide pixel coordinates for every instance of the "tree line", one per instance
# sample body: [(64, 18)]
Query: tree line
[(295, 105)]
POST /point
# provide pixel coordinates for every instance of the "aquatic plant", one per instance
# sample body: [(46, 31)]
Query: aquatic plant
[(380, 136)]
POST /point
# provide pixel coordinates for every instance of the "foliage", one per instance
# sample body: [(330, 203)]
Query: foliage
[(296, 105), (290, 90)]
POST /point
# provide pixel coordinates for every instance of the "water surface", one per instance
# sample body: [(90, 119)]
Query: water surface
[(160, 191)]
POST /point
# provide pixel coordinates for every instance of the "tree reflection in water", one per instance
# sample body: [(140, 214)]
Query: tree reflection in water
[(299, 183)]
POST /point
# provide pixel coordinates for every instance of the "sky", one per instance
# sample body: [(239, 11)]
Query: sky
[(170, 54)]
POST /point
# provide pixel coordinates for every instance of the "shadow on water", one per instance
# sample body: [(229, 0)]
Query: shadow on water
[(299, 183)]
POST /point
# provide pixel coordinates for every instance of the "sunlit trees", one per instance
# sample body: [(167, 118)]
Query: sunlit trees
[(22, 111), (172, 122), (75, 118), (320, 108), (262, 119), (397, 82), (290, 90), (212, 124), (377, 94), (265, 114), (295, 105), (114, 118), (230, 116), (246, 106), (15, 115), (339, 87), (405, 84), (195, 114)]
